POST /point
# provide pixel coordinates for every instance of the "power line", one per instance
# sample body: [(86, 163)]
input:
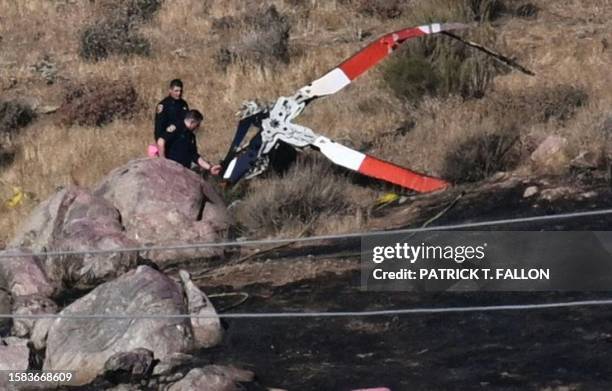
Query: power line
[(195, 246), (337, 314)]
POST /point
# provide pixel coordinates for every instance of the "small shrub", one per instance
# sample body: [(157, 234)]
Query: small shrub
[(481, 156), (99, 101), (439, 67), (383, 9), (537, 105), (262, 39), (309, 192), (225, 23), (526, 10), (485, 10), (14, 115), (116, 33), (411, 77), (7, 157), (456, 68), (109, 37), (137, 11)]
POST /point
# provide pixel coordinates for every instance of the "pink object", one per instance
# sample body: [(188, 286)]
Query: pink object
[(153, 151)]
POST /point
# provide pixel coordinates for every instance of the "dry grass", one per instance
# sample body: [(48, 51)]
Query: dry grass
[(566, 44), (312, 197)]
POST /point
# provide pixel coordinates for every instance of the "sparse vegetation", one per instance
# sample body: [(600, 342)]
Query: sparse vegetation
[(98, 102), (411, 78), (383, 9), (453, 69), (7, 156), (42, 157), (481, 156), (109, 37), (310, 192), (13, 116), (537, 105), (117, 32), (261, 38), (445, 68)]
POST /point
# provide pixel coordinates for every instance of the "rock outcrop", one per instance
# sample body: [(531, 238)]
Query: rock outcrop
[(86, 344), (162, 203), (73, 220)]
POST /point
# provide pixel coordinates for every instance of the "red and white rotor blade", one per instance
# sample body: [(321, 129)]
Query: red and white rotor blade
[(376, 168), (368, 57)]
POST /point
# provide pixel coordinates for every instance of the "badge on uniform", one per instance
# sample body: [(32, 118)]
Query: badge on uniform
[(160, 108), (170, 128)]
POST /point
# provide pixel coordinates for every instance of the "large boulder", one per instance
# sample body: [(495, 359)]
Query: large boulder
[(163, 203), (75, 220), (84, 345)]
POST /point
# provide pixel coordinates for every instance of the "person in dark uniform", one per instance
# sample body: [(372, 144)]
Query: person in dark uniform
[(171, 110), (179, 144)]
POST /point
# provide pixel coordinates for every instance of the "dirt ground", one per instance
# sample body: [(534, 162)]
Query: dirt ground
[(552, 349)]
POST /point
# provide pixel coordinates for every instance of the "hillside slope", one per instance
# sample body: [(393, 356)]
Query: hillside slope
[(565, 42)]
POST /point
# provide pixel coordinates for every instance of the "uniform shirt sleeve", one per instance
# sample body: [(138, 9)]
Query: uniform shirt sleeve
[(160, 119), (195, 156)]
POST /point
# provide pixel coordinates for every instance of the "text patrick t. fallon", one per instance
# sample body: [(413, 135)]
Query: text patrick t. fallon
[(463, 274)]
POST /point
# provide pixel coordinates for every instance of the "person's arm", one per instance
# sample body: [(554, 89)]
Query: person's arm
[(161, 147), (160, 119), (214, 169)]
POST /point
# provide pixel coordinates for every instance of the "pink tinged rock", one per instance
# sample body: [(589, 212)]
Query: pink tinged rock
[(24, 275), (84, 345), (75, 220), (163, 203)]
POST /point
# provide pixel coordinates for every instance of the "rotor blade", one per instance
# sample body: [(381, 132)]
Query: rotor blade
[(244, 125), (376, 168), (499, 57), (369, 56)]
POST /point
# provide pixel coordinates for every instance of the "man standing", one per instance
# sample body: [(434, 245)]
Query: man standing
[(179, 144), (171, 110)]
